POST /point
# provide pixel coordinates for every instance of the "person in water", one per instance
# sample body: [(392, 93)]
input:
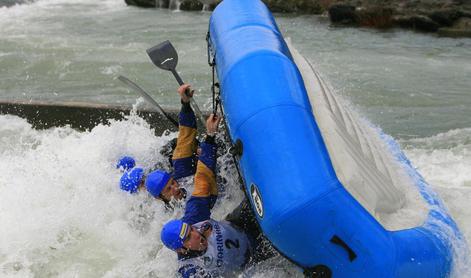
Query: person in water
[(206, 247), (159, 183)]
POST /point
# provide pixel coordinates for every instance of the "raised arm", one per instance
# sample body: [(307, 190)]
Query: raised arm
[(198, 207), (184, 160)]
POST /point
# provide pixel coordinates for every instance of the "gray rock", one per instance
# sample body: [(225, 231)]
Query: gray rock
[(454, 33), (141, 3), (210, 2), (343, 14), (463, 23), (191, 5), (375, 16), (164, 4), (445, 17), (8, 3), (294, 6), (417, 22)]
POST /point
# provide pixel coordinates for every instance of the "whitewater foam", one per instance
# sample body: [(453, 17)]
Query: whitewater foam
[(445, 162), (63, 213)]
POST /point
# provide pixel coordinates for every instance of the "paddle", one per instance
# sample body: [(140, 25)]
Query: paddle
[(165, 56), (147, 97)]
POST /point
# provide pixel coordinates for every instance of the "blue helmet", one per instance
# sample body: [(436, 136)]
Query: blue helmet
[(131, 179), (126, 163), (156, 181), (174, 233)]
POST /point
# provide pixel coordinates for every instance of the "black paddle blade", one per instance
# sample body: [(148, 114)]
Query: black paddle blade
[(164, 56)]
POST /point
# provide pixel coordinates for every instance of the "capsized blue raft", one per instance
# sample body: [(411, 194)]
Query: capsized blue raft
[(301, 205)]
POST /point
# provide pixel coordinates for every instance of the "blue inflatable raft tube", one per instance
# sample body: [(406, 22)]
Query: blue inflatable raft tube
[(300, 203)]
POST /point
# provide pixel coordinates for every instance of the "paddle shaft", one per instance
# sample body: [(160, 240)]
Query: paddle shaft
[(147, 97), (192, 101)]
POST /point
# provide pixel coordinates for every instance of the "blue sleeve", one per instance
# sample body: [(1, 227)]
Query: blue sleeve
[(187, 117), (208, 154), (198, 209), (184, 167)]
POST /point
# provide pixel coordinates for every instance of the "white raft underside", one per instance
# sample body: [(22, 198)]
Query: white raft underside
[(361, 159)]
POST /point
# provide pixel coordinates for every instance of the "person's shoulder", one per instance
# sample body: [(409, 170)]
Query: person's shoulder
[(192, 270)]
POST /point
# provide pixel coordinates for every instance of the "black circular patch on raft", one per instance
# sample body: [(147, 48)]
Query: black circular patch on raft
[(319, 271), (256, 199)]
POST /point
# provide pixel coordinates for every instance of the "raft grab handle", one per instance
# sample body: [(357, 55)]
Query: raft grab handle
[(338, 241)]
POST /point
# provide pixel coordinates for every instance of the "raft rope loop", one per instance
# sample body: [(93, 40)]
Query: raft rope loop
[(214, 84), (235, 149)]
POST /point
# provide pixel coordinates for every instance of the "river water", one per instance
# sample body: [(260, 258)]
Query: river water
[(61, 212)]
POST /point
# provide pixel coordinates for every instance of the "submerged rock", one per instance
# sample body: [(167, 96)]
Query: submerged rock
[(141, 3), (295, 6), (446, 17), (372, 16), (164, 4), (463, 23), (8, 3), (343, 14), (375, 16), (191, 5), (462, 28), (417, 22)]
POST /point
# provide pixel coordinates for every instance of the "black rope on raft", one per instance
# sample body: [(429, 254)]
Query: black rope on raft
[(214, 85), (215, 89), (216, 92)]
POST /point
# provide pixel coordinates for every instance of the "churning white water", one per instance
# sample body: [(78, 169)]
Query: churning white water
[(445, 162), (62, 213)]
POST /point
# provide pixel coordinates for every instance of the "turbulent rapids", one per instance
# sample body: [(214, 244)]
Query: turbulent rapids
[(61, 209)]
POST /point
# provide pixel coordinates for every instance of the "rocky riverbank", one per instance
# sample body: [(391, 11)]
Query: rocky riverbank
[(447, 18), (444, 17)]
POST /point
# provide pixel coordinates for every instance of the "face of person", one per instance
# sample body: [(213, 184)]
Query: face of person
[(142, 186), (195, 240), (172, 190)]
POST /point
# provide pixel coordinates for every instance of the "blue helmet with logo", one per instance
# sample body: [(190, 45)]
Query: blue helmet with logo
[(156, 181), (126, 163), (131, 179), (173, 234)]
